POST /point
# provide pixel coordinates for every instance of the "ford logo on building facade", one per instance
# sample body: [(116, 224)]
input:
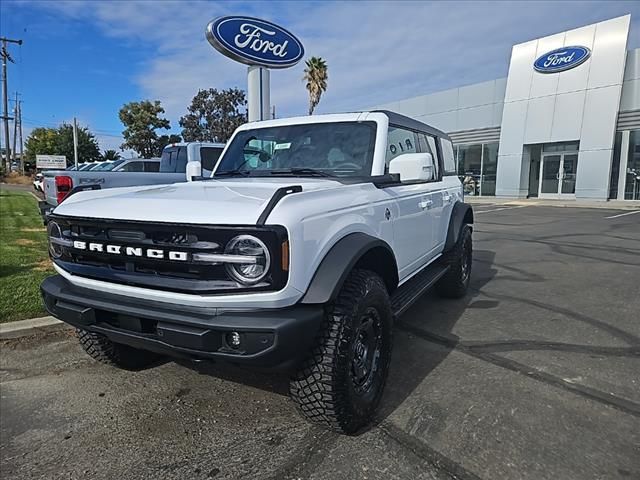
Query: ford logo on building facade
[(561, 59), (254, 42)]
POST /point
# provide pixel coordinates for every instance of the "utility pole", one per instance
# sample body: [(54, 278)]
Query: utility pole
[(75, 142), (15, 130), (4, 53), (20, 133)]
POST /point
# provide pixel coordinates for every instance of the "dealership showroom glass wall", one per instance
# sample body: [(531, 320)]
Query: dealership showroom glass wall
[(564, 123)]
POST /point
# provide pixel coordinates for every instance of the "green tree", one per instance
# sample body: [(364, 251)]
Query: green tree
[(41, 141), (59, 141), (315, 75), (88, 149), (141, 120), (214, 115), (165, 140), (110, 155)]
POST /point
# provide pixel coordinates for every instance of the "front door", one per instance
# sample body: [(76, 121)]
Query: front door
[(413, 225), (558, 175)]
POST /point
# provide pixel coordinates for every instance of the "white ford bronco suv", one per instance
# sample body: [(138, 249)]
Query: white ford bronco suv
[(297, 253)]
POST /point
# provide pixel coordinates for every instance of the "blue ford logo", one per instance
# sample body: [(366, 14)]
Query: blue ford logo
[(254, 42), (561, 59)]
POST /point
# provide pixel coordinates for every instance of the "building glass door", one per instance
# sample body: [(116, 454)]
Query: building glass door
[(558, 175), (550, 176), (568, 178)]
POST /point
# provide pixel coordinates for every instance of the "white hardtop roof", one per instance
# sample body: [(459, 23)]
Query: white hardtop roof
[(184, 144), (326, 118), (379, 116)]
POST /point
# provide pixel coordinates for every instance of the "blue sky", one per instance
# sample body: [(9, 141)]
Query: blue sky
[(88, 58)]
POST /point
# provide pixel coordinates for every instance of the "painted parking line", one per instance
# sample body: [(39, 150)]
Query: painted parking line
[(500, 209), (624, 214)]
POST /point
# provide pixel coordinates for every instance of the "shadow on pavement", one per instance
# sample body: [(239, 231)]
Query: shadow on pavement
[(409, 366)]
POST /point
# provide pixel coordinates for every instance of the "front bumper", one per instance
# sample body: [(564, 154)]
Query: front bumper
[(270, 338)]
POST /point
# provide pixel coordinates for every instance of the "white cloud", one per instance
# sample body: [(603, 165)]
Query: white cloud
[(376, 51)]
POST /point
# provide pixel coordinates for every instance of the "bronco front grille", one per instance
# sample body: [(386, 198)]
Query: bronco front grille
[(175, 243)]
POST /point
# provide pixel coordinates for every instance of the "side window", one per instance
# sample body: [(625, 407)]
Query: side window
[(427, 144), (181, 164), (133, 167), (449, 160), (151, 166), (209, 157), (400, 141)]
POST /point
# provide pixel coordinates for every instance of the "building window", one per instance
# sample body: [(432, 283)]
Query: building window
[(632, 183), (489, 169), (615, 167), (470, 168), (477, 167), (561, 147)]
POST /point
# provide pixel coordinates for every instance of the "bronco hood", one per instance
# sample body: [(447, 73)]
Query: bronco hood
[(238, 201)]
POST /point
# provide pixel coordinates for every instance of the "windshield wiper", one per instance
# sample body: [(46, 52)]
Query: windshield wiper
[(232, 173), (312, 172)]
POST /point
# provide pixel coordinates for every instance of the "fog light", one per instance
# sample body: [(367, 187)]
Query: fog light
[(233, 339)]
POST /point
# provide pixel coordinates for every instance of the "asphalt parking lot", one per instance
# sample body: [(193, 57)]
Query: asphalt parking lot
[(536, 374)]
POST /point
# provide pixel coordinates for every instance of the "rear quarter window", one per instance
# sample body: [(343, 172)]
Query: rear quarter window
[(448, 157)]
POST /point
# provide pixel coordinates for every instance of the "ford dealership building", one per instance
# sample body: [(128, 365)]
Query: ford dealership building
[(565, 123)]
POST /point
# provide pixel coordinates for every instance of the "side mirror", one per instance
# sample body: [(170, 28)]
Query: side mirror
[(413, 167), (194, 169)]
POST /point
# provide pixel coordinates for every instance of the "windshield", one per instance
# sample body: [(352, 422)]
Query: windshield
[(107, 166), (343, 149)]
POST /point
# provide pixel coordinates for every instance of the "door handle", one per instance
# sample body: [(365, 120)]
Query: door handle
[(425, 204)]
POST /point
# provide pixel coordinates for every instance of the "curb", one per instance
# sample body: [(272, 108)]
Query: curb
[(33, 326), (630, 206)]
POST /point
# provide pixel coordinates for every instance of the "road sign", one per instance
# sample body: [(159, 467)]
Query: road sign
[(45, 162)]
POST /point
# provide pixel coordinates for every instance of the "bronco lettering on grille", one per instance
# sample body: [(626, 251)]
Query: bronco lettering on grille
[(154, 253)]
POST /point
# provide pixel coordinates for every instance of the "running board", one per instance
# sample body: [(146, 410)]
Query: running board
[(408, 293)]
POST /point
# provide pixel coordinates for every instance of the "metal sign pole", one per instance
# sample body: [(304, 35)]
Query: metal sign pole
[(75, 142), (258, 93)]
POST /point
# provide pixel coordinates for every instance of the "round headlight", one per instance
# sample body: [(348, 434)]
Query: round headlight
[(54, 232), (254, 249)]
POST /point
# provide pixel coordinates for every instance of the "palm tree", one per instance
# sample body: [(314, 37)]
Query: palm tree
[(111, 155), (316, 77)]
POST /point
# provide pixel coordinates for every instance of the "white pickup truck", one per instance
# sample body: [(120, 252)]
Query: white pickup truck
[(58, 184), (310, 237)]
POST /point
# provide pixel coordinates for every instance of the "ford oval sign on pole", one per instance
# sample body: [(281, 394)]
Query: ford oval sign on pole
[(561, 59), (254, 42), (259, 44)]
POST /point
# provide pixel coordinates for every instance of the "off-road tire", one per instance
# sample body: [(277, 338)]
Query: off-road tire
[(326, 388), (455, 282), (114, 354)]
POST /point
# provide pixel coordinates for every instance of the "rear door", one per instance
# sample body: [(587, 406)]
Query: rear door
[(437, 192), (452, 188)]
